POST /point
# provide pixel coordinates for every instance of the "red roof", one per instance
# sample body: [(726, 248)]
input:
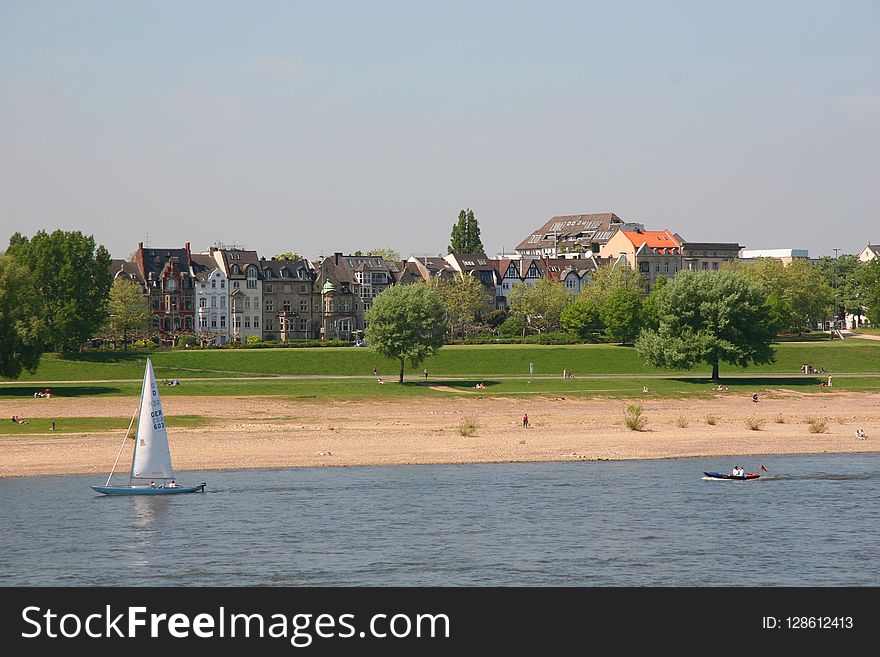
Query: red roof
[(655, 239)]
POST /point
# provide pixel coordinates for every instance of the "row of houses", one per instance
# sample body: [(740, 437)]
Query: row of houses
[(231, 293)]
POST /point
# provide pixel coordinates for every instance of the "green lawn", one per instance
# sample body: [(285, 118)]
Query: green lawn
[(88, 424), (837, 356)]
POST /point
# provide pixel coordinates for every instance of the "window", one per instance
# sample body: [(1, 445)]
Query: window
[(303, 325), (270, 305), (213, 322), (235, 269), (252, 277), (657, 268), (270, 288), (332, 306), (247, 303), (213, 302), (171, 285), (304, 306), (222, 321), (317, 307), (666, 266), (303, 289), (270, 325), (287, 288), (203, 303), (715, 266), (203, 322), (222, 284), (286, 305), (222, 302), (213, 285), (247, 321), (705, 266), (235, 284), (256, 322)]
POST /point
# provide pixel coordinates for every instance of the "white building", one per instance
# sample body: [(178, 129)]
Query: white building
[(870, 252), (212, 299), (786, 255), (245, 286)]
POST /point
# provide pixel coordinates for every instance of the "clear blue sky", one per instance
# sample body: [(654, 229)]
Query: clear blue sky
[(336, 126)]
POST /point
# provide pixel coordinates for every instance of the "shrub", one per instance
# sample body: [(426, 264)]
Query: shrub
[(187, 340), (468, 426), (253, 339), (817, 425), (755, 423), (711, 419), (681, 422), (780, 418), (634, 419)]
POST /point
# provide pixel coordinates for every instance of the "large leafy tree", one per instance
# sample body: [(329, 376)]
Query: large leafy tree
[(800, 288), (465, 236), (73, 278), (621, 314), (709, 317), (21, 329), (608, 278), (129, 313), (462, 297), (582, 318), (539, 306), (869, 282), (842, 274), (406, 322)]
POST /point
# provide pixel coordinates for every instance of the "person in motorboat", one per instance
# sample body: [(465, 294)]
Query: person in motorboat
[(737, 471), (173, 484)]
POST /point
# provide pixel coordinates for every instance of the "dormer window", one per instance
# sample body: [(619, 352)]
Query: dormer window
[(235, 270)]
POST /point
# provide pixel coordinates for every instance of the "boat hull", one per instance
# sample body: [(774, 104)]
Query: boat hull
[(720, 476), (148, 490)]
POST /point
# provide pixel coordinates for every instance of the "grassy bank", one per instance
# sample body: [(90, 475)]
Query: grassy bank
[(89, 424), (316, 390), (456, 360)]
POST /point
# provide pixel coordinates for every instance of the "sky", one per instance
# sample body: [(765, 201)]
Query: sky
[(328, 126)]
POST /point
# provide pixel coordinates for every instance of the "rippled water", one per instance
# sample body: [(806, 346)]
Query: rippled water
[(814, 521)]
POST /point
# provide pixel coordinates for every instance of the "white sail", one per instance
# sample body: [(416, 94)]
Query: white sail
[(152, 458)]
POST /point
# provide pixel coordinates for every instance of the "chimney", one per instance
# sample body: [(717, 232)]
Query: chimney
[(337, 256)]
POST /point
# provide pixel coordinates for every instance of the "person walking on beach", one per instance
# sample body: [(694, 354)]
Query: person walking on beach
[(426, 374), (526, 421), (755, 398)]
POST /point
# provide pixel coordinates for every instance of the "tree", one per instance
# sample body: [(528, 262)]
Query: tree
[(621, 314), (73, 278), (650, 317), (607, 278), (386, 254), (709, 317), (287, 255), (465, 236), (582, 318), (800, 287), (406, 322), (842, 274), (869, 282), (462, 297), (21, 329), (539, 306), (129, 313)]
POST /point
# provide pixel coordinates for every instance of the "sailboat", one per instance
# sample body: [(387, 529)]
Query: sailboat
[(151, 471)]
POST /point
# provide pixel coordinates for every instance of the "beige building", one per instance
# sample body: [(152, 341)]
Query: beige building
[(653, 253), (870, 252)]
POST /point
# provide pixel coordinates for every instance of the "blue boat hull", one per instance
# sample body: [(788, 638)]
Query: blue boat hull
[(148, 490), (721, 475)]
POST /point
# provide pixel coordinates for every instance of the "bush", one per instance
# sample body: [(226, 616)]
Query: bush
[(780, 418), (187, 341), (634, 419), (681, 422), (817, 425), (468, 426), (711, 419), (253, 339), (755, 423)]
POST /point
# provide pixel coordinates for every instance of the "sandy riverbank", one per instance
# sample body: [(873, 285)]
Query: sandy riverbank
[(255, 432)]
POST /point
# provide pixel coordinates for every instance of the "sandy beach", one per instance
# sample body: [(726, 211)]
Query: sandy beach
[(265, 432)]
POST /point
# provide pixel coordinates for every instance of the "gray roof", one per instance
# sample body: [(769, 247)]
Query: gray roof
[(574, 230)]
